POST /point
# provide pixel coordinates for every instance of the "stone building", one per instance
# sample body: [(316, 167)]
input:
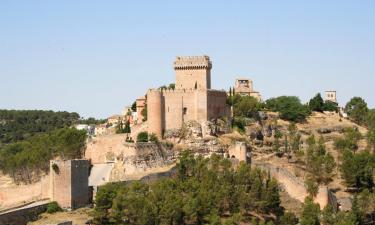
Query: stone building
[(69, 183), (331, 96), (239, 151), (191, 100), (141, 104), (244, 87)]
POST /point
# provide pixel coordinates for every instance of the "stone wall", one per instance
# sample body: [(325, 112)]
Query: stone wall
[(69, 183), (295, 187), (23, 215)]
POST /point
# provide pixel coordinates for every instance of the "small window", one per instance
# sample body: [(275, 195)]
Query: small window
[(185, 110)]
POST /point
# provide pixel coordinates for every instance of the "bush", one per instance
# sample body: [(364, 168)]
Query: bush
[(53, 207), (289, 107), (142, 137), (153, 138)]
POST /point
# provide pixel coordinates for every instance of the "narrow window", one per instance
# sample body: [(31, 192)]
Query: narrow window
[(185, 110)]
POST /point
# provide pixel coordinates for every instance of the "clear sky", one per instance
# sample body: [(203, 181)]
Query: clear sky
[(95, 57)]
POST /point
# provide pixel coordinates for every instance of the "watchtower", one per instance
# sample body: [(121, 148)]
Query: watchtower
[(193, 72), (331, 96)]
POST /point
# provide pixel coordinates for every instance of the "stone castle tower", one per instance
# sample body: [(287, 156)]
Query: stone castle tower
[(192, 98), (193, 72)]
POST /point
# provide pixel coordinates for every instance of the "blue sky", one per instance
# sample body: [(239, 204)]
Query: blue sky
[(95, 57)]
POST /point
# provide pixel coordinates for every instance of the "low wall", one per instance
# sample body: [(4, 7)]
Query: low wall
[(295, 187), (23, 215)]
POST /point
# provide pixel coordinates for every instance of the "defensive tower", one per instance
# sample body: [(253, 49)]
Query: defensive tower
[(193, 72)]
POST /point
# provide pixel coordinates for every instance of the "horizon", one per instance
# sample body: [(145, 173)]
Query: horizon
[(96, 58)]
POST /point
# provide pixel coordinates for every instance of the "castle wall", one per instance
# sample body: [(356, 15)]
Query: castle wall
[(187, 78), (217, 104), (104, 149)]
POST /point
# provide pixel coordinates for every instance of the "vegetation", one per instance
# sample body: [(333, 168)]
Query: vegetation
[(144, 113), (319, 162), (289, 107), (317, 104), (357, 110), (17, 125), (123, 128), (246, 106), (357, 169), (26, 160), (142, 137), (53, 207), (204, 191)]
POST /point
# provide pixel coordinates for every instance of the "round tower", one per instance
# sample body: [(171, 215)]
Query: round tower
[(155, 113)]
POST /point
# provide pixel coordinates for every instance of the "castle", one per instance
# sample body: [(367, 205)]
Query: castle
[(244, 87), (191, 99)]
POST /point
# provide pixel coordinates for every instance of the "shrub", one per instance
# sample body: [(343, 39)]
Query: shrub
[(153, 138), (142, 137), (53, 207)]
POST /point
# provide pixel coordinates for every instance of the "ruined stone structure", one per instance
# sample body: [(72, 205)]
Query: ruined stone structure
[(331, 96), (141, 104), (239, 151), (69, 183), (191, 100), (244, 87)]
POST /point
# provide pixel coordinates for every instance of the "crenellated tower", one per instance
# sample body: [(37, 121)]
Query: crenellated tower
[(193, 72)]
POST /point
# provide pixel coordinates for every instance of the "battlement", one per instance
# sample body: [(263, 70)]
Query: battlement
[(192, 62)]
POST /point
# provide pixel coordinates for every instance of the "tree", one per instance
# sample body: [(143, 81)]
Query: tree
[(312, 187), (276, 143), (144, 113), (330, 106), (246, 106), (370, 120), (288, 219), (319, 162), (310, 213), (317, 103), (134, 106), (289, 107), (142, 137), (371, 140), (350, 141), (357, 169), (357, 110)]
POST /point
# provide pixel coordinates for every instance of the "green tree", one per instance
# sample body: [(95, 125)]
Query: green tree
[(371, 140), (288, 219), (357, 169), (312, 187), (357, 110), (246, 106), (370, 120), (144, 113), (310, 213), (289, 107), (330, 106), (317, 103)]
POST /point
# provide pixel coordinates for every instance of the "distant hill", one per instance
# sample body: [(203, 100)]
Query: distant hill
[(17, 125)]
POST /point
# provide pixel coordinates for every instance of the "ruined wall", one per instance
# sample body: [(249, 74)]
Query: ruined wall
[(295, 187), (238, 151), (23, 215)]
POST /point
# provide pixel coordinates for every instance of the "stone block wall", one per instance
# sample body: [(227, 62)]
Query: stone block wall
[(69, 183)]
